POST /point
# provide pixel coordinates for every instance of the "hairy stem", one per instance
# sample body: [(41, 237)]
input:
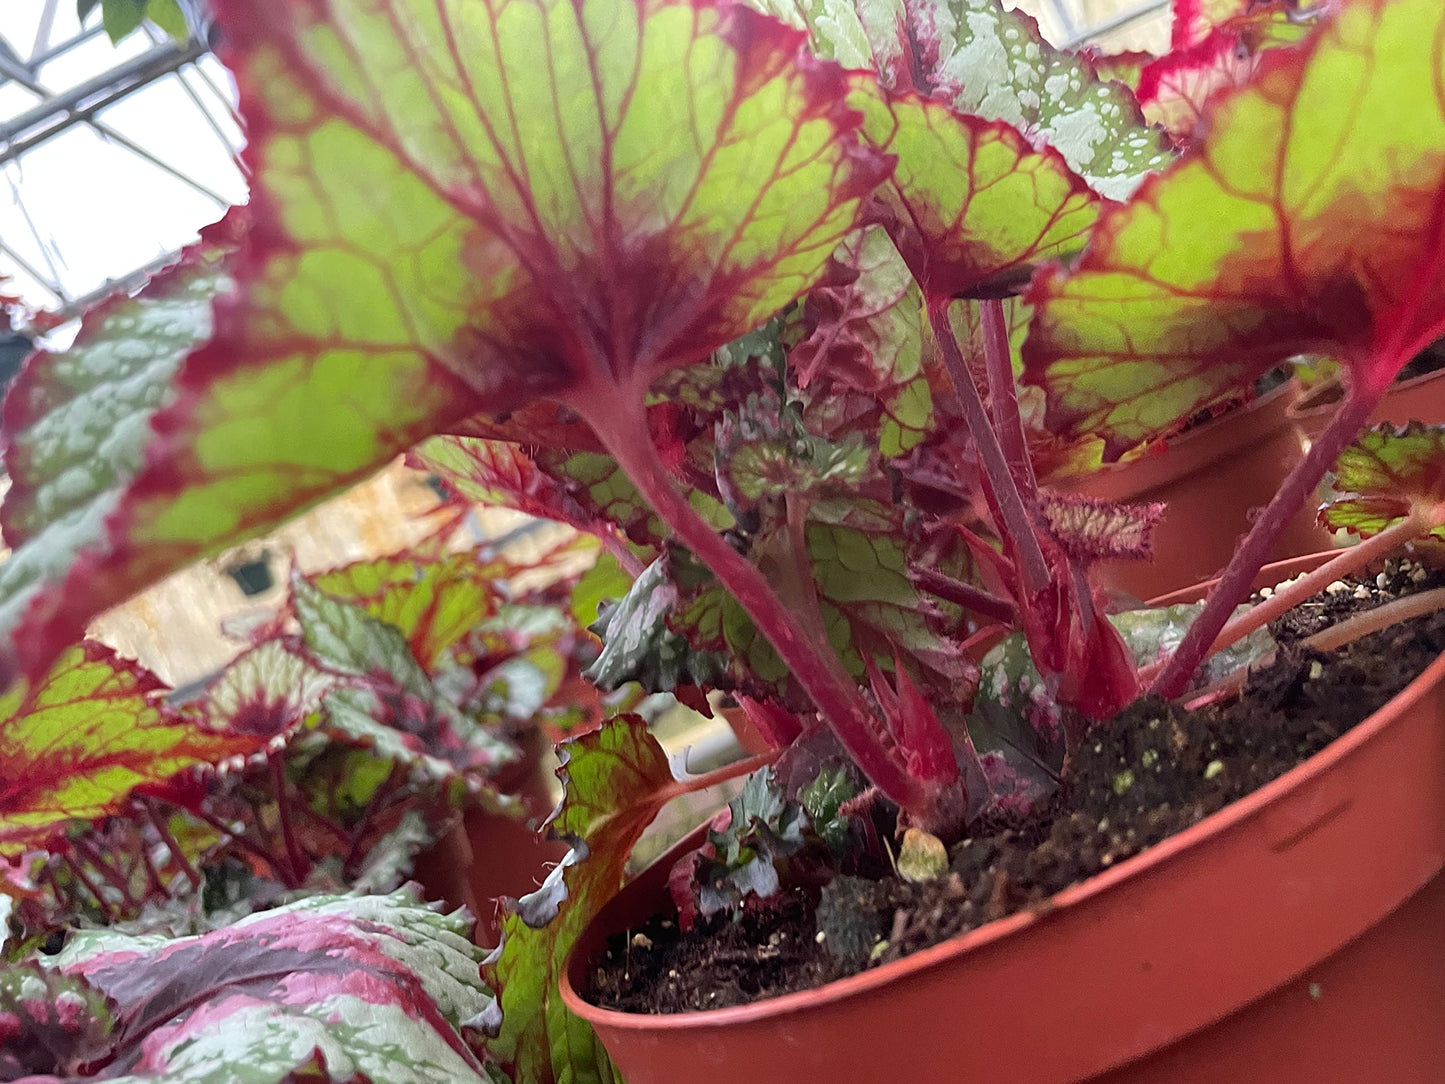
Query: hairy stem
[(297, 860), (1003, 397), (1017, 524), (1290, 595), (966, 595), (159, 824), (1236, 584), (86, 850), (621, 425)]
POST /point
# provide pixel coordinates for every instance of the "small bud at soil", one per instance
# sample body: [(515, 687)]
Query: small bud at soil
[(1317, 668), (1213, 768), (877, 952), (1123, 781), (1149, 757), (922, 857)]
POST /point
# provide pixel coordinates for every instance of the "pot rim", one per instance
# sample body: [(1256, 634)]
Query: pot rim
[(1247, 425), (1161, 854), (1324, 398)]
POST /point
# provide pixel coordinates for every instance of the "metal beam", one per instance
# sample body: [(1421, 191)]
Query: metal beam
[(49, 118)]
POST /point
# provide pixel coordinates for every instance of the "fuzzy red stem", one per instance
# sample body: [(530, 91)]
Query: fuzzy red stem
[(966, 595), (1236, 584), (1003, 397), (87, 850), (79, 874), (158, 822), (620, 424), (1017, 525), (1296, 591), (294, 856)]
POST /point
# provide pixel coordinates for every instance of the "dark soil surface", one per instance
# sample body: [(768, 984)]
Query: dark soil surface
[(1153, 771)]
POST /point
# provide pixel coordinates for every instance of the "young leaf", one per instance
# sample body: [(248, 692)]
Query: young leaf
[(617, 778), (1091, 529), (76, 426), (378, 984), (1385, 476), (74, 745), (1309, 222), (638, 645)]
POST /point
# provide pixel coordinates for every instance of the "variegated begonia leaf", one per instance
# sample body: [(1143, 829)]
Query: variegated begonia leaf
[(1310, 221), (638, 645), (266, 691), (864, 348), (394, 699), (1386, 475), (77, 743), (76, 425), (616, 779), (332, 989), (975, 205), (502, 474), (1195, 20), (982, 60), (1175, 89), (433, 603)]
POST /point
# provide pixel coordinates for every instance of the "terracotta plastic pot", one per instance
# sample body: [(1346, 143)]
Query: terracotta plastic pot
[(1296, 937), (490, 855), (1419, 399), (1211, 478)]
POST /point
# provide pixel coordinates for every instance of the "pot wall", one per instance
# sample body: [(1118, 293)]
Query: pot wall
[(1419, 399), (1211, 478), (1192, 962)]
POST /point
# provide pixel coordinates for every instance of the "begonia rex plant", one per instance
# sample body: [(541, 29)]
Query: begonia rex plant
[(797, 310)]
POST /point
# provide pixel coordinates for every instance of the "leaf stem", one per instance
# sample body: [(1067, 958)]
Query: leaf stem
[(159, 824), (966, 595), (621, 425), (1003, 397), (1236, 584), (1290, 595), (1017, 524), (294, 857)]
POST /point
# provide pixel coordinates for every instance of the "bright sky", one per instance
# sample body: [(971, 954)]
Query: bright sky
[(96, 210)]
